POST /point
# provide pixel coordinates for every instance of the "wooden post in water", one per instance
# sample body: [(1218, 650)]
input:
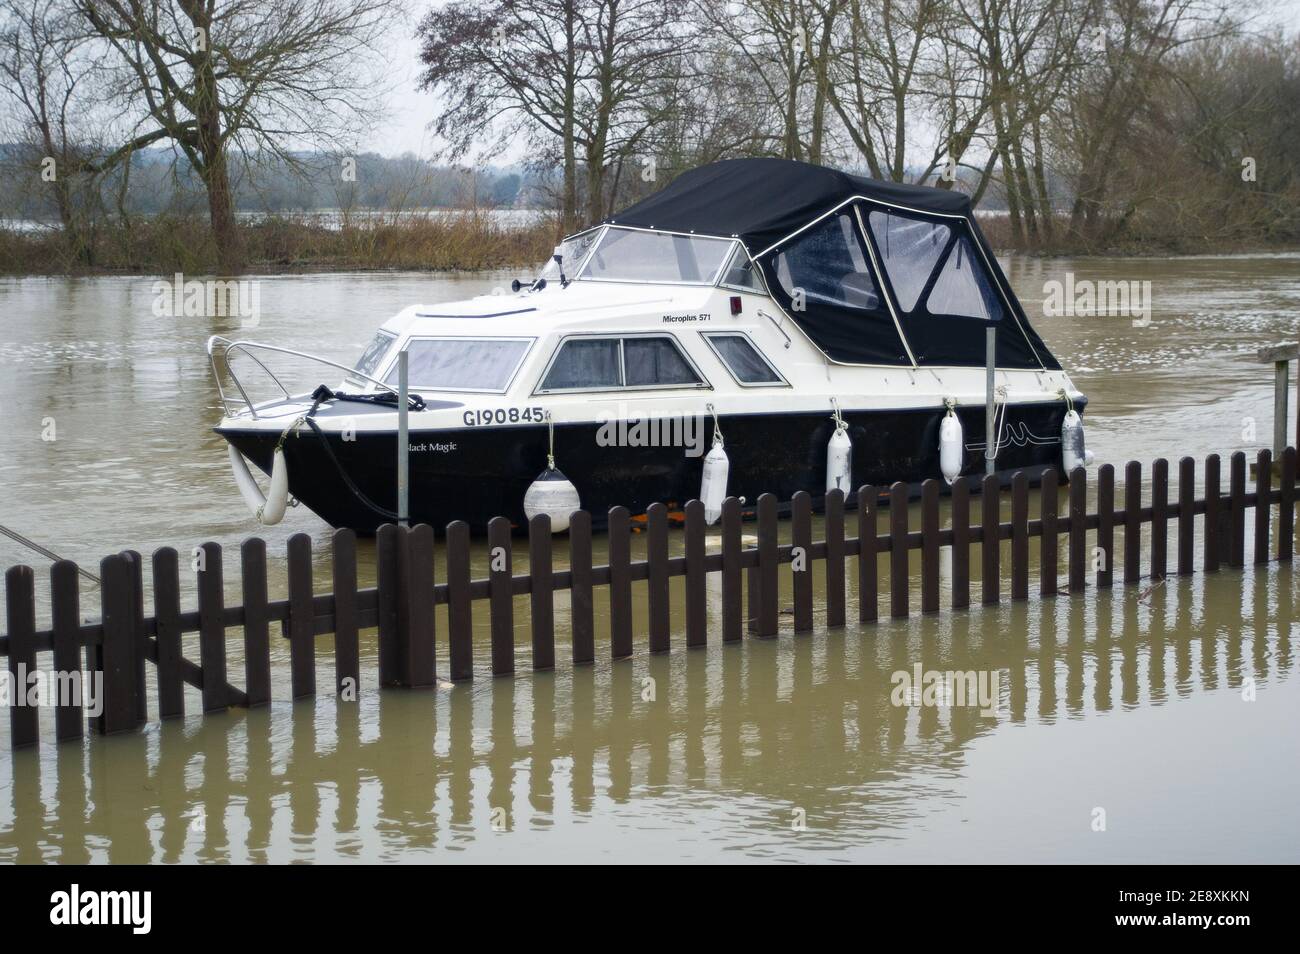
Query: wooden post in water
[(1106, 524), (991, 541), (347, 655), (1263, 507), (1048, 544), (733, 613), (620, 583), (1280, 356), (930, 546), (501, 596), (867, 550), (801, 560), (581, 607), (899, 583), (257, 626), (1286, 507), (697, 595), (657, 583), (961, 543), (1212, 533), (302, 639), (167, 623), (1132, 521), (20, 617), (460, 608), (768, 595), (65, 603), (1186, 516), (1078, 530), (835, 557), (1159, 518), (114, 655), (387, 541), (212, 627), (541, 595), (1019, 536)]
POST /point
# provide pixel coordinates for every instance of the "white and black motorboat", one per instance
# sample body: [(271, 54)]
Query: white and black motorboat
[(821, 328)]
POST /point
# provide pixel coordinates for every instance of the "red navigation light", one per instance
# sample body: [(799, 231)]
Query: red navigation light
[(735, 304)]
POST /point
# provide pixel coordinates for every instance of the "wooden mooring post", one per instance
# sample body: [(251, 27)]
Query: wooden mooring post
[(402, 607)]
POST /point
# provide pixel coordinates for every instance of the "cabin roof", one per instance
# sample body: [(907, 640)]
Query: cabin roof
[(761, 201)]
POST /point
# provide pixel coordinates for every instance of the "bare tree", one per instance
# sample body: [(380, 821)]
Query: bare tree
[(220, 75)]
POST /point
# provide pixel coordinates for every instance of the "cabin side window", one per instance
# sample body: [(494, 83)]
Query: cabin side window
[(919, 253), (963, 287), (746, 364), (601, 364), (827, 265), (462, 364)]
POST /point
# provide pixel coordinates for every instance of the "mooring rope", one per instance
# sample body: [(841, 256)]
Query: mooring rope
[(48, 554)]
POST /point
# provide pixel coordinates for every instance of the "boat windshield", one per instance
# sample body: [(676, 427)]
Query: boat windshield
[(574, 250), (630, 255)]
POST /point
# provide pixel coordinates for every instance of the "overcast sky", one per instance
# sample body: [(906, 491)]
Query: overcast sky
[(410, 110)]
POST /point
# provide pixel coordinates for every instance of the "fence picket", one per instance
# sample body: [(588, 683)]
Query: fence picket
[(899, 584), (541, 597), (1212, 505), (620, 583), (347, 651), (1132, 522), (1263, 510), (581, 608), (302, 641), (961, 543), (20, 616), (65, 624), (1078, 531), (801, 539), (1049, 544), (867, 548), (212, 627), (257, 624), (657, 586), (1159, 518), (1237, 510), (768, 595), (697, 594), (460, 607), (733, 621), (1286, 508), (1020, 536), (834, 523), (1186, 515), (501, 596), (930, 546), (991, 543)]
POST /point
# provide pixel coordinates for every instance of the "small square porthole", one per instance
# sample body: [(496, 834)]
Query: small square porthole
[(735, 304), (744, 361)]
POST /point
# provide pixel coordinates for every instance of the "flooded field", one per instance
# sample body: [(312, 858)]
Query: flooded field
[(1172, 710)]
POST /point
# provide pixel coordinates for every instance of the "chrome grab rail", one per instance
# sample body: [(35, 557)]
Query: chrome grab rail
[(247, 348)]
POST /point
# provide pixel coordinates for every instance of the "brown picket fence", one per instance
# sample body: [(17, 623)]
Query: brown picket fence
[(402, 608)]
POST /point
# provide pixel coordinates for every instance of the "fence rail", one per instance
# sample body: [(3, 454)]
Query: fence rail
[(402, 608)]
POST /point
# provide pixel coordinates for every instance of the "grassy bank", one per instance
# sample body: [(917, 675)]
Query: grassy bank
[(164, 245)]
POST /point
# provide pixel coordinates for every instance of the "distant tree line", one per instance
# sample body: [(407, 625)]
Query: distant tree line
[(1090, 121), (157, 181)]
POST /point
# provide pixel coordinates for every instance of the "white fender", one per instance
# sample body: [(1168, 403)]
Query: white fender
[(268, 509), (1073, 452), (713, 483), (950, 446), (839, 461), (554, 495)]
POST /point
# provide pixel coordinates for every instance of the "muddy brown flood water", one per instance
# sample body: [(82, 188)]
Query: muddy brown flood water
[(1172, 710)]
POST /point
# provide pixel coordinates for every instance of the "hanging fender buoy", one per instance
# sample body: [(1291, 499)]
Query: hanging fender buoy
[(269, 509), (951, 450), (1074, 452), (839, 454), (552, 493), (713, 482)]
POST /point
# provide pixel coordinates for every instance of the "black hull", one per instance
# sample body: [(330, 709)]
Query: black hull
[(490, 468)]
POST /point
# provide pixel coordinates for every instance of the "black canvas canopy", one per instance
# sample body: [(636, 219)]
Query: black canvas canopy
[(926, 241)]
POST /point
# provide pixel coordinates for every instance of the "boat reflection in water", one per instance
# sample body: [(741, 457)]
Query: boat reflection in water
[(737, 744)]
